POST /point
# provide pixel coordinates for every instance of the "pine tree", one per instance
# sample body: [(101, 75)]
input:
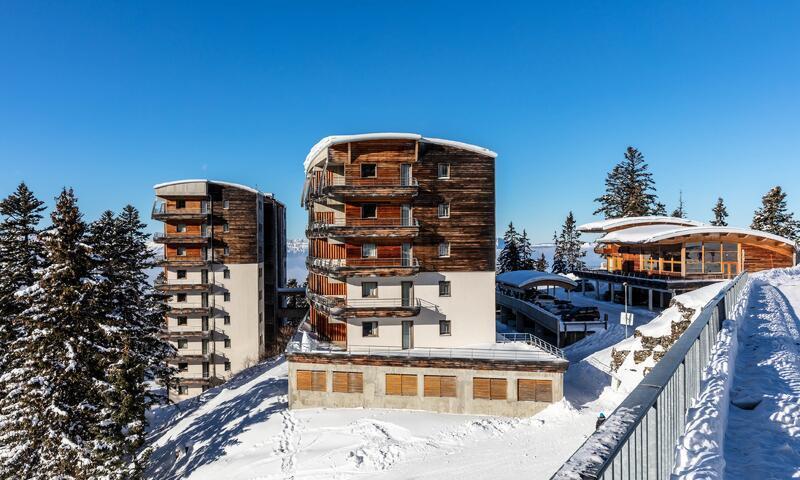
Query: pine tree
[(630, 189), (541, 264), (680, 211), (52, 390), (773, 216), (525, 252), (659, 209), (720, 214), (509, 259), (569, 254)]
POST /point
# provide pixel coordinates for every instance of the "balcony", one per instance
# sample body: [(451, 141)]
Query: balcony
[(197, 354), (382, 267), (186, 308), (176, 334), (339, 308), (171, 286), (364, 228), (199, 381), (176, 238), (162, 211), (367, 188), (162, 261)]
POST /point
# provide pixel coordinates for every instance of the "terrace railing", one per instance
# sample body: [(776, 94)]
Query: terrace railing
[(339, 180), (530, 339), (638, 440), (409, 262), (161, 208), (379, 222)]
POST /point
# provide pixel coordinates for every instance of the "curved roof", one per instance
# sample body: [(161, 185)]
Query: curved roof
[(657, 233), (322, 145), (534, 278), (617, 223), (205, 180)]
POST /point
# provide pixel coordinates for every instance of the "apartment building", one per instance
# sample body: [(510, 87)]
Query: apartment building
[(224, 260), (401, 263)]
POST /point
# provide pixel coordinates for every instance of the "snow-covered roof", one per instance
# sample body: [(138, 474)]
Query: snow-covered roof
[(616, 223), (218, 182), (657, 233), (532, 278), (314, 155)]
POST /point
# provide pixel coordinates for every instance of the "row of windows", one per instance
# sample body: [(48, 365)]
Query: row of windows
[(370, 170), (370, 250), (183, 321), (370, 289), (181, 274), (183, 343), (483, 388), (370, 329)]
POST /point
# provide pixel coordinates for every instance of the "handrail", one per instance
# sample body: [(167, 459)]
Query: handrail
[(377, 182), (366, 222), (160, 208), (176, 235), (640, 435), (383, 302), (530, 339), (409, 262)]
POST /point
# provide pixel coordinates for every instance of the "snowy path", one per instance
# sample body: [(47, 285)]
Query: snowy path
[(762, 439)]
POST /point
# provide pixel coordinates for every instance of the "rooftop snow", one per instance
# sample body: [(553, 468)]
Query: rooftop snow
[(613, 223), (218, 182), (656, 233), (326, 142), (523, 278)]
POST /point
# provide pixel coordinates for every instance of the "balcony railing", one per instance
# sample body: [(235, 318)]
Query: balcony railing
[(338, 180), (162, 208), (163, 260), (180, 237), (362, 263)]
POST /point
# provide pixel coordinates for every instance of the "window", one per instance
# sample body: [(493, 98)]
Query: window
[(180, 228), (226, 319), (311, 380), (183, 390), (444, 210), (348, 382), (181, 274), (180, 297), (397, 384), (369, 250), (226, 204), (444, 249), (534, 390), (227, 343), (369, 329), (183, 321), (694, 257), (226, 297), (444, 327), (227, 366), (369, 289), (225, 227), (444, 171), (444, 289), (226, 273), (180, 203), (226, 250), (183, 343), (260, 272), (369, 170), (439, 386), (180, 251), (489, 388), (183, 366), (369, 210)]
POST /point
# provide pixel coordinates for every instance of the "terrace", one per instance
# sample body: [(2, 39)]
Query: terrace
[(397, 227), (364, 266)]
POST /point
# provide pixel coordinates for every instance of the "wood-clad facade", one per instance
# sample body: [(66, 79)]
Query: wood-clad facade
[(224, 259)]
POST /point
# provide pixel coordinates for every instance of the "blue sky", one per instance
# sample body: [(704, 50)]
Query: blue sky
[(113, 97)]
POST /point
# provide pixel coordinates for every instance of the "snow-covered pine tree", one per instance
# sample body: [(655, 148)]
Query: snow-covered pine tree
[(133, 318), (525, 252), (49, 420), (509, 259), (541, 264), (659, 209), (559, 260), (630, 189), (773, 216), (569, 243), (680, 211), (720, 214)]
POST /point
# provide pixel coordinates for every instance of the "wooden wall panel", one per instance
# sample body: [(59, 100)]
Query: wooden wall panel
[(758, 258), (193, 252), (241, 217)]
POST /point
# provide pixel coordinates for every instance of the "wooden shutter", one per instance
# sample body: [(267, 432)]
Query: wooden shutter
[(355, 382), (303, 379), (544, 391), (432, 386), (499, 389), (393, 384), (318, 383), (340, 382), (448, 385), (480, 388), (526, 390), (409, 385)]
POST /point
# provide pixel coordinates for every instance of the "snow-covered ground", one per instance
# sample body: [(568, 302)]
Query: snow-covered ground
[(243, 430)]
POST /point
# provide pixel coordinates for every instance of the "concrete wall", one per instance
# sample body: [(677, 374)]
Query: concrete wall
[(374, 395), (470, 308)]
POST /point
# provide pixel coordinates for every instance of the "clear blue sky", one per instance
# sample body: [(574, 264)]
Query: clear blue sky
[(113, 97)]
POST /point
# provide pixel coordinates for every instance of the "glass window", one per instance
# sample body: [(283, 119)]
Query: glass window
[(181, 274), (180, 228), (183, 321), (712, 256), (730, 252), (227, 343), (183, 366), (226, 319), (694, 257), (369, 250), (226, 227), (444, 249), (226, 204), (369, 329), (227, 366), (444, 210), (444, 170), (181, 297), (180, 251), (444, 289), (226, 273), (369, 210), (183, 390), (369, 170), (369, 289), (226, 251), (180, 203), (183, 343), (226, 296), (444, 327)]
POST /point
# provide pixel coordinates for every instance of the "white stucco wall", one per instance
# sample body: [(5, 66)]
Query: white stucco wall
[(470, 308)]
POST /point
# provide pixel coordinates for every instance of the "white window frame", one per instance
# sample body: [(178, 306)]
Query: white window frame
[(439, 175), (449, 328), (374, 329), (369, 252), (444, 250), (449, 288), (226, 204), (444, 210), (364, 287), (180, 228), (180, 251)]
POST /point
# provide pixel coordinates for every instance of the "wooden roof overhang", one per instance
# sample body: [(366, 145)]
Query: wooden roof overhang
[(724, 237)]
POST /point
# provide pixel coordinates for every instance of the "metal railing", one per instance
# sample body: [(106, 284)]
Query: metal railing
[(409, 262), (383, 302), (157, 236), (339, 180), (530, 339), (161, 208), (379, 222), (638, 440), (186, 305)]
